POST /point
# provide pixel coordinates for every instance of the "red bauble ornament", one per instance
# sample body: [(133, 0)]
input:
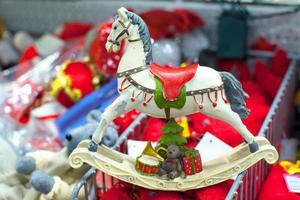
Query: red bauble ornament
[(107, 63), (73, 82)]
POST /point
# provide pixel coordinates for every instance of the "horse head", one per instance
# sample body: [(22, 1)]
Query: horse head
[(120, 30)]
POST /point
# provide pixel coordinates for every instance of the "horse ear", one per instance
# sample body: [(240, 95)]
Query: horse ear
[(122, 13)]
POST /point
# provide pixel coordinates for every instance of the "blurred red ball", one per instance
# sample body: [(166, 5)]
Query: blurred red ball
[(107, 63)]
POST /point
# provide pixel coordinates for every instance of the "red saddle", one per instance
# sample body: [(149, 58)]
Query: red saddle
[(173, 79)]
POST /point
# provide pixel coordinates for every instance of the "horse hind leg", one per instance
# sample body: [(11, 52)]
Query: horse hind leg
[(223, 112)]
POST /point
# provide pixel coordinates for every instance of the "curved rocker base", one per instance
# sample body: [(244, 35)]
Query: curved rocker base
[(122, 167)]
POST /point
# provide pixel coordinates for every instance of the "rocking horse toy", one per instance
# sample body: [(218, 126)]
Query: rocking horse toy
[(166, 92)]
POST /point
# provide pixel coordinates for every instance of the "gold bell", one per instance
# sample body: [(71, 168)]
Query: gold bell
[(149, 150)]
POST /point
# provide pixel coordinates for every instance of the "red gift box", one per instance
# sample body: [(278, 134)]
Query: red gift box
[(192, 163)]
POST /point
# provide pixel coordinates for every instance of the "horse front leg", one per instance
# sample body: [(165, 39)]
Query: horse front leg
[(120, 106)]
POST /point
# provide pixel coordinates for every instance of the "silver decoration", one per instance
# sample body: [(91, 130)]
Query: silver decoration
[(192, 44), (166, 52)]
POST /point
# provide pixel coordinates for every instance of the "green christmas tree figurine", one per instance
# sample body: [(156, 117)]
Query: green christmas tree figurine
[(171, 134)]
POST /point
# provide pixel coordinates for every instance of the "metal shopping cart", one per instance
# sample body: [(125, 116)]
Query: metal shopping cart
[(248, 183)]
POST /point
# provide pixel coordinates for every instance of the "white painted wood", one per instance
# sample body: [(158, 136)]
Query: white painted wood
[(134, 57), (121, 166)]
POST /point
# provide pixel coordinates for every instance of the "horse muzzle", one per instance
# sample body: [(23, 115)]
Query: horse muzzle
[(111, 47), (108, 46)]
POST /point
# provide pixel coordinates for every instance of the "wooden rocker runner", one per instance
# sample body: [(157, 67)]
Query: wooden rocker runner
[(166, 92), (215, 171)]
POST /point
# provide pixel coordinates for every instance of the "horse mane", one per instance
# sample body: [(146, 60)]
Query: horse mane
[(144, 34)]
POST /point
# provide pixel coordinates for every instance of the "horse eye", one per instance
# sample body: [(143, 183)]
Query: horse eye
[(115, 28)]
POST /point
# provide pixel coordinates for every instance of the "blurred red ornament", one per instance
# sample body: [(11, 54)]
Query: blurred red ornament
[(124, 120), (23, 98), (107, 63), (29, 54), (235, 66), (53, 144), (73, 82), (163, 23), (263, 44), (72, 30), (280, 62)]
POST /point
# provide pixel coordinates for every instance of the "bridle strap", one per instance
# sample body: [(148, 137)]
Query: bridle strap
[(125, 30), (134, 40), (132, 71)]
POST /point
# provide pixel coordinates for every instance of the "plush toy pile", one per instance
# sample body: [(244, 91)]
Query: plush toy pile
[(41, 174)]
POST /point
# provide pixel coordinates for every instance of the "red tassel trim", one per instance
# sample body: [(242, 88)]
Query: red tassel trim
[(121, 89), (214, 103), (199, 104), (223, 96), (145, 99), (133, 98)]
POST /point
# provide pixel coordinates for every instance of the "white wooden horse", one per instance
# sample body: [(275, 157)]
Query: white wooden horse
[(206, 91)]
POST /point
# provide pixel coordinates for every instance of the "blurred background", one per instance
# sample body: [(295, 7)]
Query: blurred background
[(56, 79)]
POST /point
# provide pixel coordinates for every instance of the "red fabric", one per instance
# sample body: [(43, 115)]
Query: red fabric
[(162, 23), (269, 82), (173, 79), (146, 194), (190, 19), (72, 30), (116, 193), (274, 187), (107, 63), (214, 192), (256, 117), (218, 128), (124, 120), (201, 123), (153, 129), (253, 88), (28, 54), (237, 67), (126, 191), (280, 63), (263, 44)]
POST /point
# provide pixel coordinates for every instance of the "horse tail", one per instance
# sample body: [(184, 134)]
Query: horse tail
[(235, 94)]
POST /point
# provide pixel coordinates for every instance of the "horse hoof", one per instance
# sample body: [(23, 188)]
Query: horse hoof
[(253, 147), (92, 146)]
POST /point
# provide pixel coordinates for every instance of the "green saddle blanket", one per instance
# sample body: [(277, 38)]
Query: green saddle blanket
[(162, 103)]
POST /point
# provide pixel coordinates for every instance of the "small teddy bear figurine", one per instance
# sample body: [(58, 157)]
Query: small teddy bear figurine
[(171, 167)]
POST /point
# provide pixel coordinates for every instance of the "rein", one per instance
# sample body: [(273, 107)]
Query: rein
[(124, 31)]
